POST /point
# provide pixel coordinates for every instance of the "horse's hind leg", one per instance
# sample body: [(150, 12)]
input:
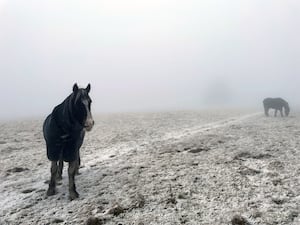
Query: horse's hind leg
[(52, 185), (275, 114), (78, 164), (72, 187), (266, 111)]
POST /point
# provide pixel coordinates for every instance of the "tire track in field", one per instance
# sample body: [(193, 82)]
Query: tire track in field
[(123, 148), (208, 126)]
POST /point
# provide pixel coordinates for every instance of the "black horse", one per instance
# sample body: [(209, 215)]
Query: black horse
[(64, 131), (277, 104)]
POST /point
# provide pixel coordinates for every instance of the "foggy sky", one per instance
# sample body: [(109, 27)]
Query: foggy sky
[(148, 55)]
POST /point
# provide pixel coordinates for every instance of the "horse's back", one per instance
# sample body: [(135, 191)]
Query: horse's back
[(275, 103)]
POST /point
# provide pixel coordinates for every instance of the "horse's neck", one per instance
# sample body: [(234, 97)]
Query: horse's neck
[(64, 117)]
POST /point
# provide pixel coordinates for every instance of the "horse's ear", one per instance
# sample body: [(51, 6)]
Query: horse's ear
[(75, 87), (88, 88)]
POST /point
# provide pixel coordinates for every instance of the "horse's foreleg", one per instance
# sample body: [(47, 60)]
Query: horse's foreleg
[(72, 187), (60, 169), (52, 184), (281, 112), (275, 114)]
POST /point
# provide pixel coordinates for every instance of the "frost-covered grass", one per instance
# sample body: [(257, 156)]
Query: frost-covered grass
[(160, 168)]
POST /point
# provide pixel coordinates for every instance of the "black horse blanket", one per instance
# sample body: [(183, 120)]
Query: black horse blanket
[(63, 134), (277, 104)]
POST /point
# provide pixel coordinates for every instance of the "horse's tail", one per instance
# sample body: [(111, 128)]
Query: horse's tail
[(46, 125), (266, 104), (266, 101)]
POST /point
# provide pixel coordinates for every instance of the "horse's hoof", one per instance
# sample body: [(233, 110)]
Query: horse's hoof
[(51, 192), (73, 195)]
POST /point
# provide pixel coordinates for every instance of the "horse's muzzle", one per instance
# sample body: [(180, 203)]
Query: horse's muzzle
[(89, 125)]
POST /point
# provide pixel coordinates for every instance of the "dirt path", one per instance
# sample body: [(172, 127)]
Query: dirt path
[(162, 169)]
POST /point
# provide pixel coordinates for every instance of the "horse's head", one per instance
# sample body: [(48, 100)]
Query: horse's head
[(82, 106), (286, 109)]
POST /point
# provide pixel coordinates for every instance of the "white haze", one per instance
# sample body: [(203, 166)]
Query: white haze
[(148, 55)]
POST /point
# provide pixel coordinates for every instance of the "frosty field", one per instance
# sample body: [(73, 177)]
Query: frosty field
[(169, 168)]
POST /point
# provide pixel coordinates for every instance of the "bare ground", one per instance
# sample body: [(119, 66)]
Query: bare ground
[(160, 168)]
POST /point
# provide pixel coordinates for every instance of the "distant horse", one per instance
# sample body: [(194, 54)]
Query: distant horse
[(277, 104), (64, 131)]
